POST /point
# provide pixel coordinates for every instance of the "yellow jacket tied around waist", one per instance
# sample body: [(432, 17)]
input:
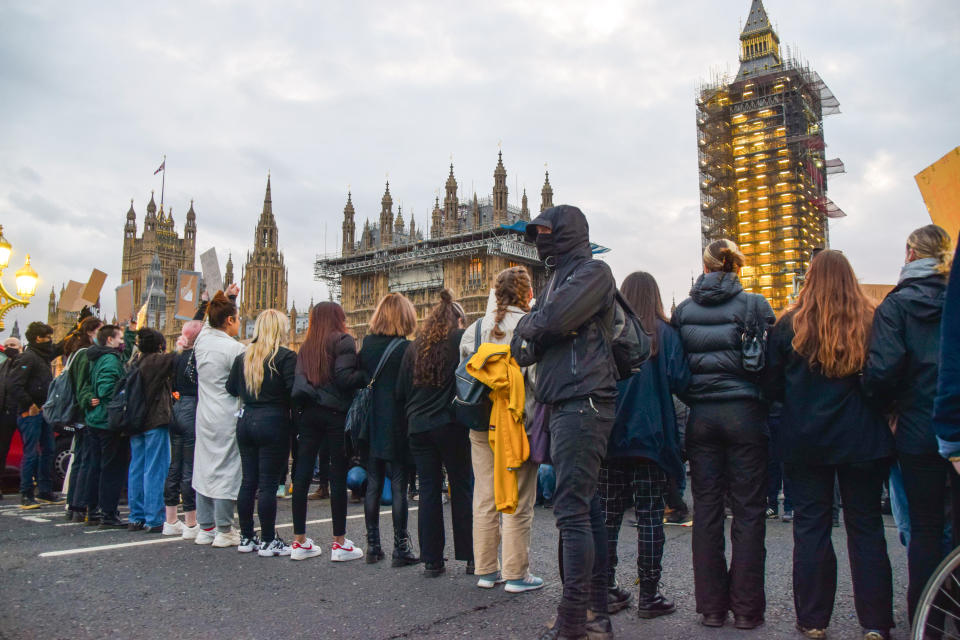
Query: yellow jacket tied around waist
[(493, 365)]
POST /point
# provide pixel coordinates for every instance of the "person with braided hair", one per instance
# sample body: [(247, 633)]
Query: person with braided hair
[(509, 301)]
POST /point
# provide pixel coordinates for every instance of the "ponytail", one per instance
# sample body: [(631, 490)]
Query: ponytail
[(723, 255), (220, 309)]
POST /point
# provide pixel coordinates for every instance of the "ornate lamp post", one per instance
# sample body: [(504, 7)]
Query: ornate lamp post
[(26, 279)]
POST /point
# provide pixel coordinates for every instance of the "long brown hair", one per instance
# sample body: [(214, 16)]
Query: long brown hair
[(327, 322), (511, 290), (81, 337), (395, 316), (641, 292), (832, 317), (430, 344)]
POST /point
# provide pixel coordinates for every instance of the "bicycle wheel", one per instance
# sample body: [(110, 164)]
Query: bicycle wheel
[(938, 611)]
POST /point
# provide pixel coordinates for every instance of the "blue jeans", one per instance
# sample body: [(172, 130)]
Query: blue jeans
[(39, 449), (546, 482), (149, 463)]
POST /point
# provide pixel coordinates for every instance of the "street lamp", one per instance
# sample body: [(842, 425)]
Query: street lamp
[(26, 279)]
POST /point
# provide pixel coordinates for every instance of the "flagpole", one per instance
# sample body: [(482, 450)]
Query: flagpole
[(163, 182)]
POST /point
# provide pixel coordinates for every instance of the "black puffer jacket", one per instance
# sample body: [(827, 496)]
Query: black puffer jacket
[(564, 332), (711, 323), (900, 376), (31, 377)]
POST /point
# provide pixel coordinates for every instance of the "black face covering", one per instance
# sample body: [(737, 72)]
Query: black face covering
[(545, 246), (44, 349), (11, 352)]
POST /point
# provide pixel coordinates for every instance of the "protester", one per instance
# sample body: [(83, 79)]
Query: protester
[(9, 409), (644, 450), (776, 478), (393, 320), (425, 388), (901, 377), (546, 485), (183, 433), (817, 350), (328, 371), (31, 379), (565, 334), (511, 297), (946, 418), (109, 448), (75, 351), (150, 446), (727, 440), (216, 457)]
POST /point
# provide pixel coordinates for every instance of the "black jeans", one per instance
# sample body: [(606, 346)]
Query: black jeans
[(183, 438), (109, 455), (263, 437), (728, 447), (447, 447), (376, 471), (578, 442), (320, 430), (925, 479), (814, 561)]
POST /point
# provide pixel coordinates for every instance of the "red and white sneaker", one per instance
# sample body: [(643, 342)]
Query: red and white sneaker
[(345, 552), (304, 550)]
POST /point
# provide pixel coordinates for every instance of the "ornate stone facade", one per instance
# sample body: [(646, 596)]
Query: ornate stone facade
[(264, 283)]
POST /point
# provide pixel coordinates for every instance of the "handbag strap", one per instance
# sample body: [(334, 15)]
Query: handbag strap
[(750, 322), (383, 359)]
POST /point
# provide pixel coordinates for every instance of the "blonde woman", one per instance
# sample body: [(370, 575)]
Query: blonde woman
[(262, 378)]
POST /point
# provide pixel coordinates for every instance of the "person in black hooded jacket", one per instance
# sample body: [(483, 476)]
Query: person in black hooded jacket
[(727, 440), (566, 335), (901, 378)]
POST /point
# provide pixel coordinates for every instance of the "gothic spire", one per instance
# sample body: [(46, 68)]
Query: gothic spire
[(267, 202), (546, 194)]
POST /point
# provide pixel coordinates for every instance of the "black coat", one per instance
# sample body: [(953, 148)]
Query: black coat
[(711, 323), (387, 437), (338, 392), (946, 419), (277, 381), (564, 332), (901, 372), (31, 378), (823, 421), (9, 407), (429, 408)]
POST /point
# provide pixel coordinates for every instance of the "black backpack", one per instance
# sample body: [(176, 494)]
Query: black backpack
[(471, 402), (629, 341), (127, 410), (753, 337)]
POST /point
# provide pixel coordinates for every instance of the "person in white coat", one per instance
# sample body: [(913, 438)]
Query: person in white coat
[(216, 461), (509, 301)]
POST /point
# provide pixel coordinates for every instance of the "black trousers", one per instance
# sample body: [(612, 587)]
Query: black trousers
[(579, 431), (183, 438), (77, 499), (263, 437), (727, 444), (376, 471), (320, 430), (814, 561), (925, 481), (110, 455), (447, 447)]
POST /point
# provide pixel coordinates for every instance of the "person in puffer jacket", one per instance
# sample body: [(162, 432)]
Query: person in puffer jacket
[(900, 378), (727, 440), (566, 335)]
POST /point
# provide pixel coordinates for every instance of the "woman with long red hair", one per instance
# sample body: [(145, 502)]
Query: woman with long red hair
[(328, 373), (817, 351)]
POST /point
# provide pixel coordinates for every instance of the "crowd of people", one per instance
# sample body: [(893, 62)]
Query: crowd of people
[(823, 400)]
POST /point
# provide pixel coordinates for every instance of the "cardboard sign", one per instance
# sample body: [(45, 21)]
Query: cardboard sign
[(125, 301), (940, 187), (72, 299), (91, 292), (188, 294), (211, 271)]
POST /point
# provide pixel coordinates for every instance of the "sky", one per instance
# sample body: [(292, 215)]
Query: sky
[(331, 96)]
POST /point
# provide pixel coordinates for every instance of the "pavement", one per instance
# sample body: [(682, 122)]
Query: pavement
[(61, 580)]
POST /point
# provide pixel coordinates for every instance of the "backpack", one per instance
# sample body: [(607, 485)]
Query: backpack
[(361, 409), (127, 410), (629, 341), (61, 406), (753, 338), (471, 402)]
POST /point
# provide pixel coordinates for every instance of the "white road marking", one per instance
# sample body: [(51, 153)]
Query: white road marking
[(123, 545), (69, 524), (36, 519)]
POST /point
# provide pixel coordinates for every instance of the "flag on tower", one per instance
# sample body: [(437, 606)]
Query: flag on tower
[(162, 167)]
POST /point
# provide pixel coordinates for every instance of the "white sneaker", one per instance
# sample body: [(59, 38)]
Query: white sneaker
[(205, 537), (490, 580), (304, 550), (529, 583), (276, 547), (229, 539), (345, 552), (175, 529), (248, 544), (190, 533)]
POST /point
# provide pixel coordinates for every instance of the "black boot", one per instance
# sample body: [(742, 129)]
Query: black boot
[(618, 598), (653, 604), (374, 550), (403, 555)]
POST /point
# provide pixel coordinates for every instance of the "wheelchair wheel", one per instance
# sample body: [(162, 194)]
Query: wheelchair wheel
[(938, 611)]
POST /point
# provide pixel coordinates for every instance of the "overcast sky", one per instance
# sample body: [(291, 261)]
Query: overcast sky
[(326, 95)]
